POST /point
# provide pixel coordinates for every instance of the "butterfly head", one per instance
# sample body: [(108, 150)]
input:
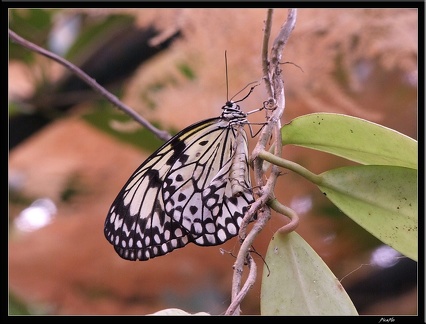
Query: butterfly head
[(232, 111)]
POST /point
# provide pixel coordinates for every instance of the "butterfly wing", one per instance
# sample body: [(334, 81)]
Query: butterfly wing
[(185, 192), (200, 194)]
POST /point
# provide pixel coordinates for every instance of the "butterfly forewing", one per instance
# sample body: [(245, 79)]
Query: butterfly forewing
[(195, 188)]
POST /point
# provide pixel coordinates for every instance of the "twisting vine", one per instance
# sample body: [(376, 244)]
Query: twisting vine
[(261, 207)]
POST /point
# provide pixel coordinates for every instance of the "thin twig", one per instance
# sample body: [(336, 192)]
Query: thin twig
[(251, 278), (234, 308), (282, 38), (96, 86), (265, 50)]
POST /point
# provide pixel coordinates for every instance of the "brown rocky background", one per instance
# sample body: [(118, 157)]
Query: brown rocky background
[(359, 62)]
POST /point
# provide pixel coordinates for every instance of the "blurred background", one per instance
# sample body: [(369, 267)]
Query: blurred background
[(70, 151)]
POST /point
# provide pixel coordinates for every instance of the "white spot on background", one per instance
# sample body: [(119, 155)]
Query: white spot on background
[(385, 257), (39, 214), (301, 205), (64, 32)]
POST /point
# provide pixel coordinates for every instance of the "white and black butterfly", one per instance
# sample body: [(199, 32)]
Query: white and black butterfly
[(194, 188)]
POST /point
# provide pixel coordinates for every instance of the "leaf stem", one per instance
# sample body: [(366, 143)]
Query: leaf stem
[(265, 155)]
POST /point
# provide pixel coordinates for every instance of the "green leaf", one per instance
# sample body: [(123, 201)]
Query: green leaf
[(352, 138), (105, 116), (296, 281), (382, 199), (95, 35), (33, 25)]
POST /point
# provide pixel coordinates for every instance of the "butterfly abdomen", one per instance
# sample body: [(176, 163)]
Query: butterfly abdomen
[(239, 167)]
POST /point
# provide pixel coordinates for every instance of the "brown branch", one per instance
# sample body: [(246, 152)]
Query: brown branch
[(96, 86), (265, 50)]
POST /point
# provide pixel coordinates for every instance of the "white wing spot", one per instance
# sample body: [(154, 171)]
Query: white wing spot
[(198, 228), (118, 223), (167, 235), (210, 228), (221, 234), (178, 232), (210, 202), (147, 241), (232, 229), (157, 238), (112, 217)]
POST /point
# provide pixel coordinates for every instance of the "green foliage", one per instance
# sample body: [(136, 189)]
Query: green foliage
[(139, 137), (32, 24), (298, 282), (352, 138), (94, 34), (382, 199), (187, 71), (16, 307), (381, 196)]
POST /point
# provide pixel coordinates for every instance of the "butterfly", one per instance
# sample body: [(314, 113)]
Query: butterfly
[(194, 189)]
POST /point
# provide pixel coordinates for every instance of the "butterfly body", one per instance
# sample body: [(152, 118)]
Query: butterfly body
[(194, 188)]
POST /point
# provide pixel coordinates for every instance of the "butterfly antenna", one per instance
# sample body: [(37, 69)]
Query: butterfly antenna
[(256, 83)]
